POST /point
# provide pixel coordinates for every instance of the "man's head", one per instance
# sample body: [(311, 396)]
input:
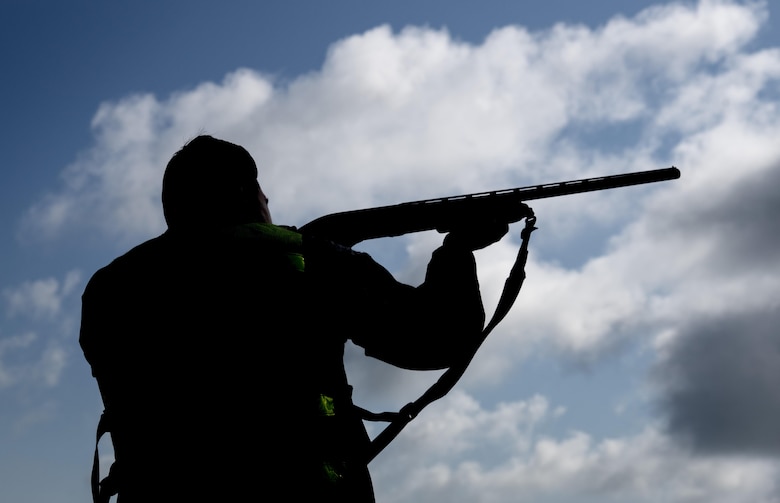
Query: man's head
[(212, 182)]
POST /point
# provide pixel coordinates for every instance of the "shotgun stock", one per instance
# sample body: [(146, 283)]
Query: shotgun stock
[(443, 214)]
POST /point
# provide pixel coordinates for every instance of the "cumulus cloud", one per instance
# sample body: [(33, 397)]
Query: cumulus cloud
[(41, 298), (23, 362), (394, 116), (9, 373), (114, 187), (36, 355), (442, 458)]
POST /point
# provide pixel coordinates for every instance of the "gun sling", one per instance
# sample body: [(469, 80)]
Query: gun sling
[(398, 420)]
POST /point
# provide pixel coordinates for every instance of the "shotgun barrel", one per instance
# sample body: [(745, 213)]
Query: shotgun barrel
[(443, 214)]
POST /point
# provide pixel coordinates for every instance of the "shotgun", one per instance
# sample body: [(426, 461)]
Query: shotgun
[(443, 214)]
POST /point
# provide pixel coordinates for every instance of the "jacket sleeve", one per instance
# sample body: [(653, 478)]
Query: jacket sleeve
[(422, 328)]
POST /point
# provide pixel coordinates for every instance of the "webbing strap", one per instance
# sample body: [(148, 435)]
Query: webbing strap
[(451, 376), (102, 490)]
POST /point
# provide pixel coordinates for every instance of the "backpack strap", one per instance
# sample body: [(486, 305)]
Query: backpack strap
[(102, 490), (451, 376)]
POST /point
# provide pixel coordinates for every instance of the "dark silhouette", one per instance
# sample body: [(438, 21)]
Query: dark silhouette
[(218, 345), (446, 213)]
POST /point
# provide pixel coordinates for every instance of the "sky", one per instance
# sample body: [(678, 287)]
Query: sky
[(640, 361)]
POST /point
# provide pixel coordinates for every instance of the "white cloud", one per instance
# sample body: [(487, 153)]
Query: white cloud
[(441, 457), (46, 304), (114, 188), (51, 365), (36, 298), (9, 373), (417, 114), (392, 116), (40, 298), (22, 362)]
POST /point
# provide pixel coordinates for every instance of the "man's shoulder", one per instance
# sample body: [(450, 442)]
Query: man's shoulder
[(148, 250), (133, 260)]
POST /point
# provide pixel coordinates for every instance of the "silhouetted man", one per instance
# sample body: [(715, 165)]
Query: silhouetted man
[(218, 345)]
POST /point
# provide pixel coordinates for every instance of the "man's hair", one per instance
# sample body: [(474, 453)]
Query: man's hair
[(208, 182)]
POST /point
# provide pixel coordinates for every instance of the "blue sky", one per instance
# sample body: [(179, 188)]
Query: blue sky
[(640, 360)]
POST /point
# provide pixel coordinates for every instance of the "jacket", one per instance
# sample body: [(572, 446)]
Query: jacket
[(219, 358)]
